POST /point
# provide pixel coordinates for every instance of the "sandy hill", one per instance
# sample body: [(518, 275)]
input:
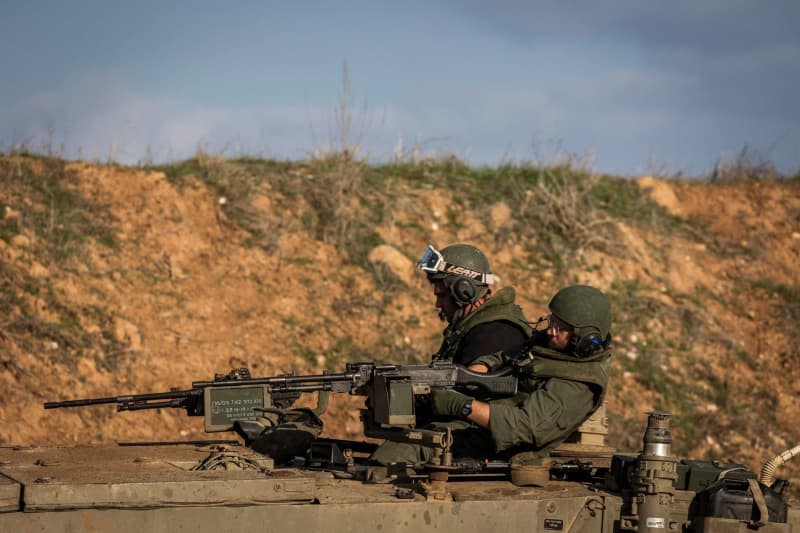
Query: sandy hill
[(117, 280)]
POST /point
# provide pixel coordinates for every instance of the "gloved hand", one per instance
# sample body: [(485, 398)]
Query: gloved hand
[(447, 402)]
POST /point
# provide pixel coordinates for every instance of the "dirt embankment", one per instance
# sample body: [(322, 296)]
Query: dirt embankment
[(176, 288)]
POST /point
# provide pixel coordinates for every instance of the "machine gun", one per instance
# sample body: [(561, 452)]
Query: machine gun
[(390, 389)]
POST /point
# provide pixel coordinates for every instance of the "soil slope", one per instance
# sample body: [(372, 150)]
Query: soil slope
[(119, 280)]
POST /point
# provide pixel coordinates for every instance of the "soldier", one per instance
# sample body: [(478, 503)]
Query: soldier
[(563, 372), (478, 321)]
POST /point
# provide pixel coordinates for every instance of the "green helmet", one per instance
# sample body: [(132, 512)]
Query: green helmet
[(463, 268), (463, 255), (588, 311)]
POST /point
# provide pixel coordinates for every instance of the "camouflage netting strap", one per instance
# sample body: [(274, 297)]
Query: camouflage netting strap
[(228, 461)]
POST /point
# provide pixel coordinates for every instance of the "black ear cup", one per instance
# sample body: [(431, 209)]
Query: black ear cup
[(588, 344), (463, 291)]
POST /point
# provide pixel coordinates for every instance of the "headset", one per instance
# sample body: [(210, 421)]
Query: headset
[(583, 344), (589, 343), (463, 290)]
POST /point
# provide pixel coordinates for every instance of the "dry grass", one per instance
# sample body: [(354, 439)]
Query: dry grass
[(747, 165), (566, 209)]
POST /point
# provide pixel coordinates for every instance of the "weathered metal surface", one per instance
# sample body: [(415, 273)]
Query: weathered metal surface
[(149, 488), (133, 489), (466, 517), (142, 476), (9, 494)]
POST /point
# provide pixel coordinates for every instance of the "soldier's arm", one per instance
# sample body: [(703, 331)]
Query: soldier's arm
[(480, 414), (548, 414)]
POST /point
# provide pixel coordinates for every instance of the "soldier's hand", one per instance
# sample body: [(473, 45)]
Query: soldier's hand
[(447, 402)]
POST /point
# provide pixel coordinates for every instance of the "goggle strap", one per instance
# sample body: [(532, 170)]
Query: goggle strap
[(448, 268), (457, 270)]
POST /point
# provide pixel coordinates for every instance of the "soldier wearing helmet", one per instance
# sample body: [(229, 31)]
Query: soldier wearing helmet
[(563, 373), (579, 321), (479, 321)]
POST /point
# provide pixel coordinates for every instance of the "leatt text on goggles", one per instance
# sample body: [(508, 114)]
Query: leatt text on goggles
[(432, 262)]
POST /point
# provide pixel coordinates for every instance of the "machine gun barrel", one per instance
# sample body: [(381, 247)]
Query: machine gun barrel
[(133, 402)]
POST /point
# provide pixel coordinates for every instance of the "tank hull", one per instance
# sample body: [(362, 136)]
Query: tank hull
[(153, 488)]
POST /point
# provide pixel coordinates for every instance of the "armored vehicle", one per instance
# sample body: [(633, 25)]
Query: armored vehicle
[(326, 484)]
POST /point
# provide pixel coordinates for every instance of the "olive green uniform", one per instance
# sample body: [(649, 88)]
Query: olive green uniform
[(457, 346), (499, 310), (558, 392)]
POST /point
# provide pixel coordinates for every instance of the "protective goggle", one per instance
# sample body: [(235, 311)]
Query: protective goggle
[(433, 262), (556, 325)]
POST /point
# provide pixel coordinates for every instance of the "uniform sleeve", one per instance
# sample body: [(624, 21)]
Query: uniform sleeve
[(492, 360), (489, 338), (548, 414)]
